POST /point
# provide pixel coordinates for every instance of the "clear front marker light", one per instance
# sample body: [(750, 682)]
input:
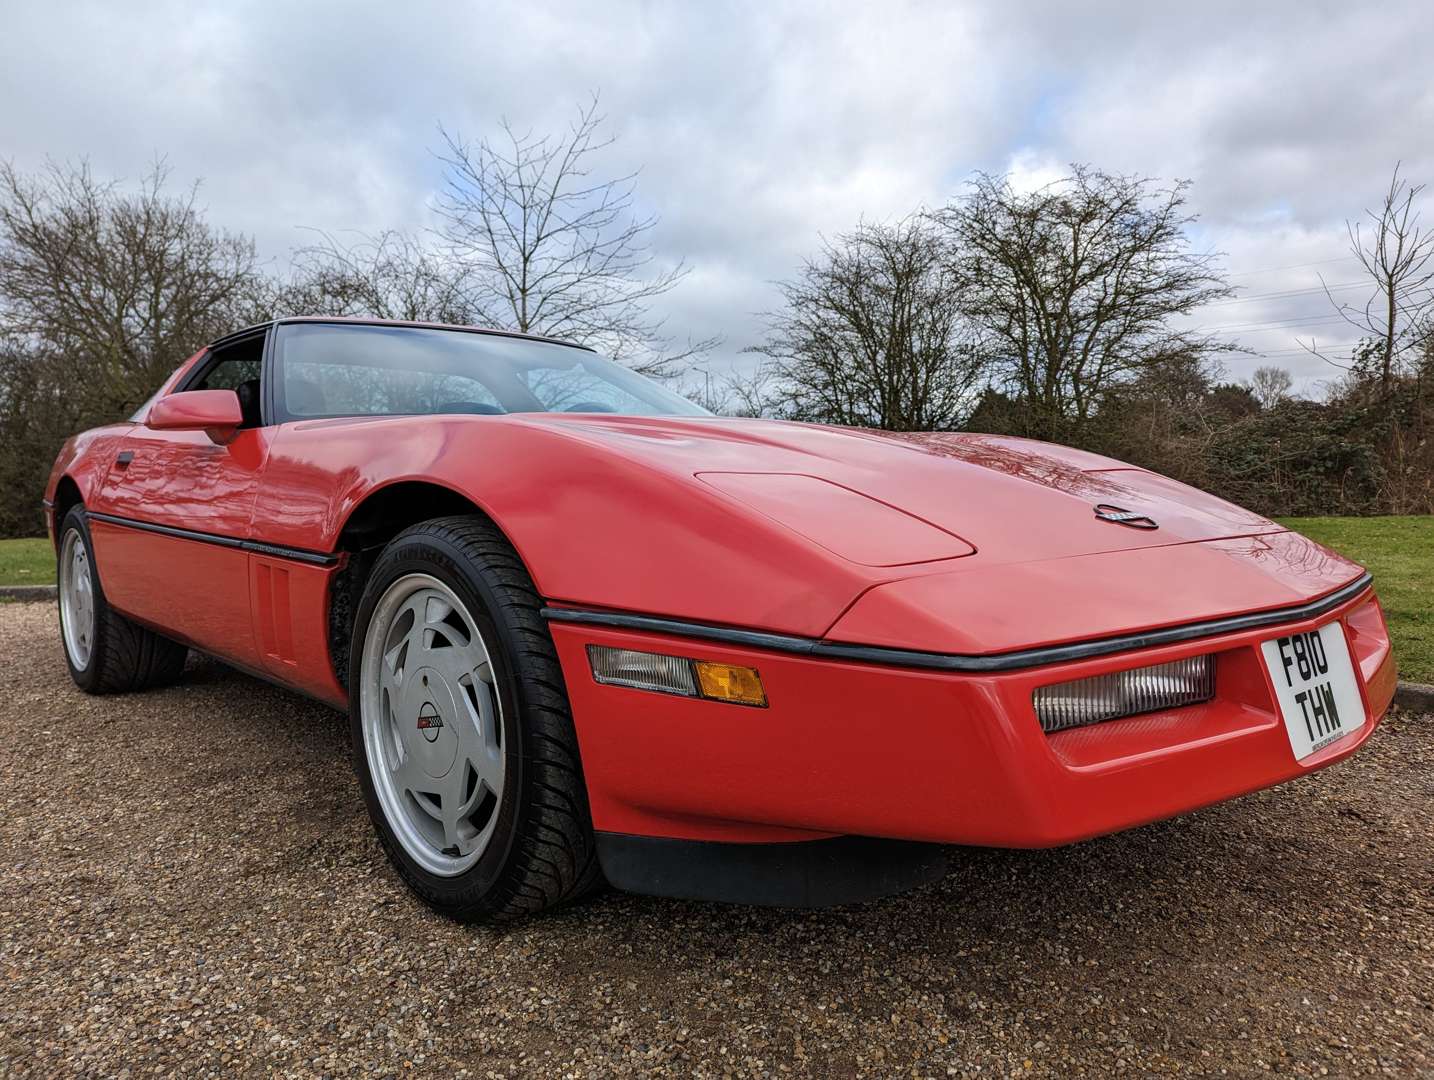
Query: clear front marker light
[(642, 670), (1125, 693), (665, 674)]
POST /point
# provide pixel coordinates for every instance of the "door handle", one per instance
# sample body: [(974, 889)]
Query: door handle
[(124, 458)]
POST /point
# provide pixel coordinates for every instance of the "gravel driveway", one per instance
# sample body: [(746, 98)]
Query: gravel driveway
[(188, 885)]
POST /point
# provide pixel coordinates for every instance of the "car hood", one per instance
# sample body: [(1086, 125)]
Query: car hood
[(1008, 499), (964, 542)]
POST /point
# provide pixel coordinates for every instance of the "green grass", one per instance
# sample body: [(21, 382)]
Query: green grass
[(27, 562), (1399, 551)]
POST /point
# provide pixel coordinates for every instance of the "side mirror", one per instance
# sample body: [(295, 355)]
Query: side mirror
[(216, 412)]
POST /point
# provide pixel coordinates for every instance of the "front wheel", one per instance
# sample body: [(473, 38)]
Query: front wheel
[(463, 739)]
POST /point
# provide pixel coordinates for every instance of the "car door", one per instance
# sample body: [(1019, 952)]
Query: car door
[(173, 515)]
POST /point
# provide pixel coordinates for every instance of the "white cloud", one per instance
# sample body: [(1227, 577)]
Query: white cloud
[(1030, 170), (758, 127)]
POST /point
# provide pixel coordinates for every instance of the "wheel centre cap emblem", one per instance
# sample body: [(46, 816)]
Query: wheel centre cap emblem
[(1118, 515), (429, 722)]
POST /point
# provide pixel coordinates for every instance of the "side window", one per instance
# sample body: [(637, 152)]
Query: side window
[(229, 375), (237, 367)]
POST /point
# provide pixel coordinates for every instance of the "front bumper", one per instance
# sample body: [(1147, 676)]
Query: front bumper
[(851, 748)]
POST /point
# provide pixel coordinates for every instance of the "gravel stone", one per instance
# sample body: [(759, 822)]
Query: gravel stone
[(189, 886)]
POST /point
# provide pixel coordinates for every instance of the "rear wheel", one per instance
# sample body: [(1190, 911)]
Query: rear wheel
[(463, 740), (105, 652)]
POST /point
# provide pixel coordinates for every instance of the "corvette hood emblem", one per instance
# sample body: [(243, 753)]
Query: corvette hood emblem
[(1120, 516)]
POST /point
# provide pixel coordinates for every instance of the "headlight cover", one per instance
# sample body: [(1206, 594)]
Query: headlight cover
[(1125, 693)]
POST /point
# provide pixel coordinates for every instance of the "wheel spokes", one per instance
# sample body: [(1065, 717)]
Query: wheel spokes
[(77, 601), (447, 634), (410, 778), (390, 678), (403, 640), (467, 789), (427, 662), (480, 740)]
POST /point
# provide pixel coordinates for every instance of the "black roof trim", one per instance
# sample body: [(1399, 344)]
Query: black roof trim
[(341, 320), (238, 335)]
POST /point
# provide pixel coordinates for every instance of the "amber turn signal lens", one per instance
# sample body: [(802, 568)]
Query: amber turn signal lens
[(728, 682)]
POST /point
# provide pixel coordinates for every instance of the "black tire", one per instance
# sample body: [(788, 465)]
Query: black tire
[(124, 656), (542, 851)]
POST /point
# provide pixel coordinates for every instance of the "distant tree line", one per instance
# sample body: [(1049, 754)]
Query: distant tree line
[(1059, 313), (1063, 313)]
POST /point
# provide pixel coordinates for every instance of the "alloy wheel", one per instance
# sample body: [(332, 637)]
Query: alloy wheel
[(432, 724), (77, 599)]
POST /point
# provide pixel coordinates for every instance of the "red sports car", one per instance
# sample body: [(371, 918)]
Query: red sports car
[(585, 630)]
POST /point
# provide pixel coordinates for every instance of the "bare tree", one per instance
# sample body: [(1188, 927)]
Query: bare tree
[(748, 392), (1075, 285), (388, 275), (552, 249), (755, 393), (103, 292), (1270, 386), (1398, 257), (872, 334), (120, 285)]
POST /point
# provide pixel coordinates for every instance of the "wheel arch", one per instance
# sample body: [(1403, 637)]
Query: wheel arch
[(377, 518), (67, 496)]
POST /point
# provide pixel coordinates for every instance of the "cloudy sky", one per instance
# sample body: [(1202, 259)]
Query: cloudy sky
[(758, 127)]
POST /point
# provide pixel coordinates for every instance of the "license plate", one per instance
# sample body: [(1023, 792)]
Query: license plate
[(1314, 682)]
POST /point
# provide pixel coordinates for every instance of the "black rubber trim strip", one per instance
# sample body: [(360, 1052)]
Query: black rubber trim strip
[(820, 649), (409, 324), (290, 320), (275, 551), (800, 873)]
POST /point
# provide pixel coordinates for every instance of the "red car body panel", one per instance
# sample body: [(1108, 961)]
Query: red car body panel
[(979, 611), (880, 751), (938, 544)]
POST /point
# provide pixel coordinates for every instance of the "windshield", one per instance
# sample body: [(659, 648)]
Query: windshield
[(338, 369)]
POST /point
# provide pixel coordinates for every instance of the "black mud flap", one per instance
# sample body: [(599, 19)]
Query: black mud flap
[(804, 873)]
